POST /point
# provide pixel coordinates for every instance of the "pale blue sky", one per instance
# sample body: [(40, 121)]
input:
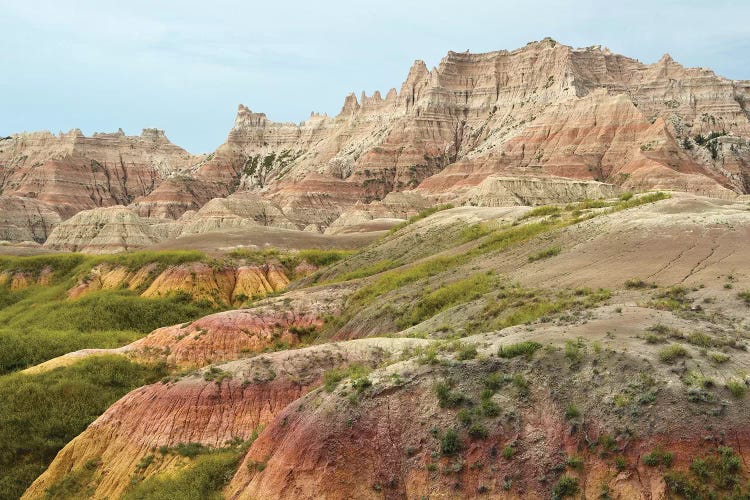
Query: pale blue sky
[(183, 66)]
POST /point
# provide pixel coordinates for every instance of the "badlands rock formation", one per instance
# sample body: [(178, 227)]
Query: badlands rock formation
[(546, 111), (520, 377), (225, 285), (26, 219), (71, 172), (251, 394)]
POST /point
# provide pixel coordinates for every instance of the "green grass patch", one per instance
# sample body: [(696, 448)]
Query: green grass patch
[(541, 212), (545, 254), (43, 324), (447, 296), (566, 487), (672, 353), (334, 376), (738, 388), (369, 270), (526, 349), (39, 414), (203, 479)]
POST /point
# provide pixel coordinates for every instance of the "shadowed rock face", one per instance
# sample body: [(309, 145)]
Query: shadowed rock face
[(545, 110), (26, 219)]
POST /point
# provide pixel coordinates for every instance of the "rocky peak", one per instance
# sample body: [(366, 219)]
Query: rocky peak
[(153, 134), (246, 118), (351, 105)]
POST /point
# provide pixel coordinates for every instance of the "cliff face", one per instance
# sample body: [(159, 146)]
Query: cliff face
[(544, 110), (71, 172)]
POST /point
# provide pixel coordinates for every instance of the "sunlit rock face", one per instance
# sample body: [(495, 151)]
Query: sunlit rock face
[(545, 110)]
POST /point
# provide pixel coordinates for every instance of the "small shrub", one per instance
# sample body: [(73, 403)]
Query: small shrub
[(575, 462), (519, 349), (621, 463), (658, 457), (574, 350), (567, 486), (490, 408), (718, 357), (145, 462), (672, 353), (467, 352), (450, 444), (638, 283), (572, 412), (446, 397), (737, 388), (190, 450), (357, 372), (744, 296), (508, 452), (478, 431), (701, 339), (521, 384), (679, 484)]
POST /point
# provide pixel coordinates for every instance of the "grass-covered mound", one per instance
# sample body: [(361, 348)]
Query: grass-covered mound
[(41, 413), (40, 322)]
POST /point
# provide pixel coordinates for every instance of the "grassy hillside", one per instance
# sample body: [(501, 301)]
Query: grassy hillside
[(40, 413), (39, 322)]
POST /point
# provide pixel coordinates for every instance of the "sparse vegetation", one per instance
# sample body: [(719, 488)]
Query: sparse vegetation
[(716, 475), (446, 296), (542, 211), (737, 388), (545, 254), (638, 284), (450, 443), (672, 353), (658, 457), (526, 349), (566, 487), (448, 398), (356, 372), (421, 215)]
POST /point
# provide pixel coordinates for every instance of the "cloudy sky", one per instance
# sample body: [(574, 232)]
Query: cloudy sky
[(183, 66)]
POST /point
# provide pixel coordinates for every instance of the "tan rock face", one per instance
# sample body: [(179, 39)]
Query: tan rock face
[(72, 172), (104, 230), (26, 219), (227, 286)]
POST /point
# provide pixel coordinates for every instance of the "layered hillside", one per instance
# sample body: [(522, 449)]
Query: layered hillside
[(586, 350), (545, 111), (70, 172)]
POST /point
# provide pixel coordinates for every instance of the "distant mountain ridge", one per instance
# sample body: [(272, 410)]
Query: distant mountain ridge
[(545, 110)]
